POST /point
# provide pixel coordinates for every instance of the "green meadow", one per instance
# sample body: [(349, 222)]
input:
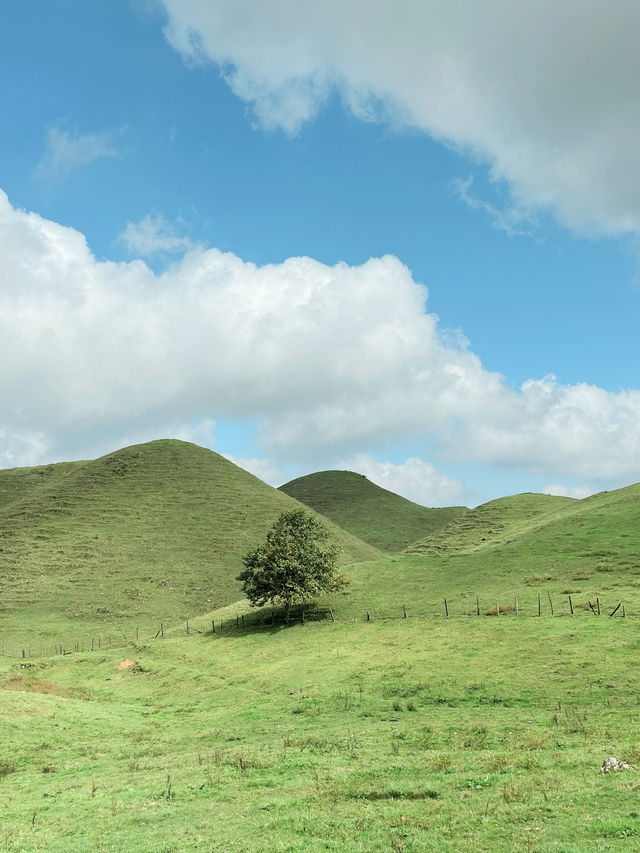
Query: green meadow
[(424, 733)]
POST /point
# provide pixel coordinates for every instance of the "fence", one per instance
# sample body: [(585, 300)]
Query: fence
[(276, 617)]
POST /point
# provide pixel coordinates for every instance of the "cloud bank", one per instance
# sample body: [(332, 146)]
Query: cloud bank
[(544, 93), (330, 360)]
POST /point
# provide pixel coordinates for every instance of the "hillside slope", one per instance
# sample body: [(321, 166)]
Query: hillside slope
[(494, 523), (151, 531), (375, 515)]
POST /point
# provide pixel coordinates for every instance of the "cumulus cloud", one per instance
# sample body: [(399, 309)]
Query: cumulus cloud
[(330, 360), (544, 93), (153, 235), (414, 479), (264, 469), (560, 490), (67, 151)]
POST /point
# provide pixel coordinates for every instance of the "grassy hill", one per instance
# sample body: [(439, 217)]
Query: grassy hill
[(153, 531), (493, 523), (420, 735), (373, 514)]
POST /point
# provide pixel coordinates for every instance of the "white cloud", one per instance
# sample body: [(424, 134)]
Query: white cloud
[(267, 470), (511, 220), (68, 151), (568, 491), (153, 235), (545, 93), (331, 362), (414, 479)]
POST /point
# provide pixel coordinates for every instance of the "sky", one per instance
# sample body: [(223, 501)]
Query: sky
[(396, 238)]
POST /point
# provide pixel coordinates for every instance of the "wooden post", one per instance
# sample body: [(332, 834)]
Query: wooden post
[(237, 621), (162, 629), (404, 612), (497, 608), (137, 633), (550, 602), (99, 641), (213, 626), (615, 610), (187, 626), (598, 605), (368, 616), (23, 654), (243, 619), (477, 606), (570, 605), (539, 606), (123, 634), (333, 618), (516, 605), (92, 644), (446, 608)]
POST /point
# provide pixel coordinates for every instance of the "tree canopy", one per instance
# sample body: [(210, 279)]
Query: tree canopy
[(296, 563)]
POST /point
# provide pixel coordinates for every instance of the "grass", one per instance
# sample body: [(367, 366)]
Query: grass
[(414, 735), (420, 734), (154, 531), (373, 514)]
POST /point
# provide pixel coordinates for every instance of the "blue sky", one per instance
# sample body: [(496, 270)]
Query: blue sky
[(161, 149)]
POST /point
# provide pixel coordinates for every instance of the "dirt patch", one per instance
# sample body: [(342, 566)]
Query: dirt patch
[(125, 664), (26, 684)]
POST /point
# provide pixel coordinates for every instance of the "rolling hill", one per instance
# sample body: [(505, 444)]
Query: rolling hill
[(375, 515), (151, 531)]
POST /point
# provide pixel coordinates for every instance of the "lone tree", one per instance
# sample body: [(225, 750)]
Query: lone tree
[(295, 563)]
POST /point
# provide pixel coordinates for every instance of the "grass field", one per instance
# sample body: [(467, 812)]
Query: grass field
[(420, 734), (373, 514), (411, 735)]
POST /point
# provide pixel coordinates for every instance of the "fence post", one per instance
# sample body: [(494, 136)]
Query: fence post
[(92, 643), (404, 612), (333, 618), (539, 606), (516, 605), (137, 633), (162, 629), (497, 608), (623, 613), (187, 626), (598, 605), (213, 626), (243, 619), (446, 608), (550, 602), (477, 606), (570, 605), (368, 616)]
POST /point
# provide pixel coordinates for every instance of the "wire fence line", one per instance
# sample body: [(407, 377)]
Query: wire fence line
[(275, 617)]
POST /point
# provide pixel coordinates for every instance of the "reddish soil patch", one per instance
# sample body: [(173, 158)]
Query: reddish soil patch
[(125, 664)]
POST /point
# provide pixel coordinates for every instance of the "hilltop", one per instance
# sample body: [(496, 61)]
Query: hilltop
[(375, 515), (151, 531)]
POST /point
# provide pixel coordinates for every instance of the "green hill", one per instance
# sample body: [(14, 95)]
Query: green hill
[(373, 514), (153, 531), (493, 523)]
